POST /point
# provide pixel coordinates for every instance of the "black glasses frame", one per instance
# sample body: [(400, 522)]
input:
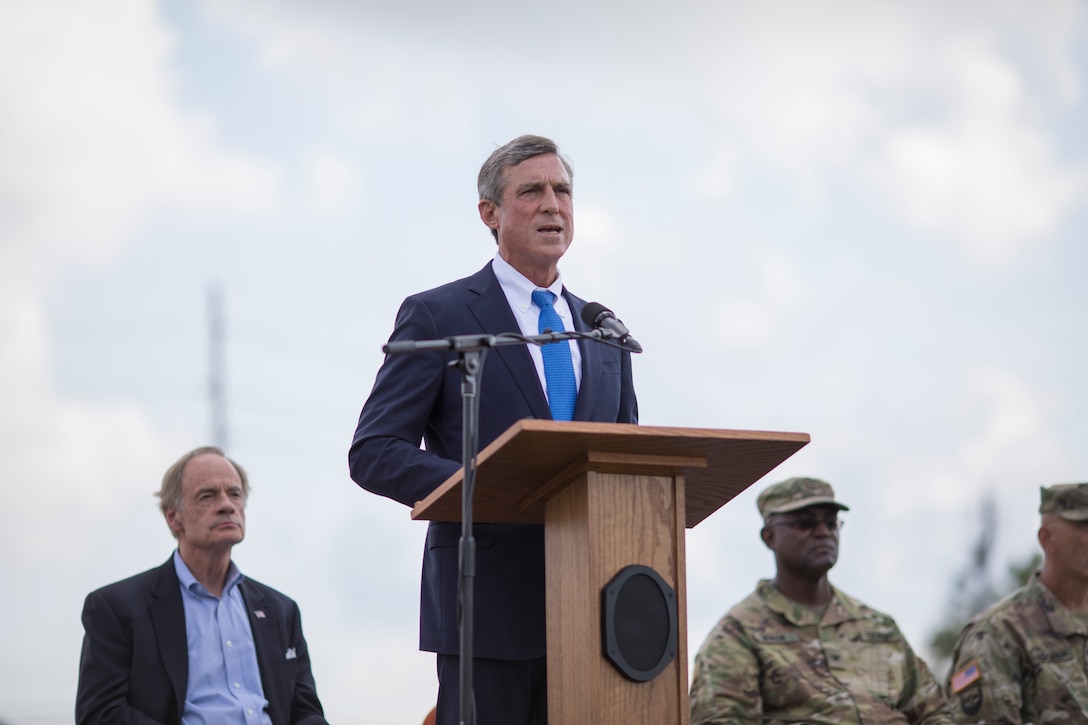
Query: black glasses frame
[(808, 524)]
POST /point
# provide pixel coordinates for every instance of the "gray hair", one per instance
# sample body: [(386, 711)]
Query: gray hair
[(491, 182), (170, 492)]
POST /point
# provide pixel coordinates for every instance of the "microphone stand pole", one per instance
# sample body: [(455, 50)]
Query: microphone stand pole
[(470, 363), (471, 351)]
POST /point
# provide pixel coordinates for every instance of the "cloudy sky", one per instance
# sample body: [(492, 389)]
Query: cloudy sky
[(863, 221)]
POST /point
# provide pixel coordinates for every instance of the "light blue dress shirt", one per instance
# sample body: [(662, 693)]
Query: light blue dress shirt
[(224, 678)]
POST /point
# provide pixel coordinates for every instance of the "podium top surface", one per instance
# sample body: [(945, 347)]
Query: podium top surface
[(511, 470)]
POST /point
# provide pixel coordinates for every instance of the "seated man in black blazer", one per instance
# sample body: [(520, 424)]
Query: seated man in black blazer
[(193, 640)]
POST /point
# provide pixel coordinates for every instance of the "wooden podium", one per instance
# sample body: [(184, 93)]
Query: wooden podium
[(610, 496)]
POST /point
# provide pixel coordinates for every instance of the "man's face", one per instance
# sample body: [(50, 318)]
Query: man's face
[(213, 514), (805, 542), (535, 221), (1066, 547)]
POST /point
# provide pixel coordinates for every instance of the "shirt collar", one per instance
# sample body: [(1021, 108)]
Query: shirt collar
[(189, 583), (518, 287), (841, 608), (1062, 621)]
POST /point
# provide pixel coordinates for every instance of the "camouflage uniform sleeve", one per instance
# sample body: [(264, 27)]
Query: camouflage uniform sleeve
[(725, 681), (924, 701), (990, 693)]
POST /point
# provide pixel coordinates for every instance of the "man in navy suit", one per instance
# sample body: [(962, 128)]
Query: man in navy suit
[(526, 200), (193, 641)]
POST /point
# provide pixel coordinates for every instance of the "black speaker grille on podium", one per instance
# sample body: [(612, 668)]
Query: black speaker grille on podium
[(638, 623)]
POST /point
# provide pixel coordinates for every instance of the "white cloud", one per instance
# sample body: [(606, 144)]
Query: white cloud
[(923, 103), (1005, 441), (382, 86), (746, 325), (717, 177), (916, 101), (332, 182), (925, 100), (987, 177), (750, 324), (92, 141), (598, 227)]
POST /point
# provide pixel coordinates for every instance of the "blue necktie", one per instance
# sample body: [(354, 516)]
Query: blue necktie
[(558, 368)]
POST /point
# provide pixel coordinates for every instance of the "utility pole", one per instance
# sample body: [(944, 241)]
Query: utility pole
[(216, 366)]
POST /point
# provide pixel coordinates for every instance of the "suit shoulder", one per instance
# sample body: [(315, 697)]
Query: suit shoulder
[(1016, 605), (478, 282), (573, 297), (144, 581), (750, 612), (864, 611), (256, 587)]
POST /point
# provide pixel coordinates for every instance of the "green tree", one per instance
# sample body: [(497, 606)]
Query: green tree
[(973, 588)]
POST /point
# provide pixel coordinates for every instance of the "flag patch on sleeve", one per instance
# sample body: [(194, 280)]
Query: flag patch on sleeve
[(966, 677)]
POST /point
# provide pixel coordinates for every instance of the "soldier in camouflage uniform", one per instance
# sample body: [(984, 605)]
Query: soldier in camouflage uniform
[(799, 650), (1023, 659)]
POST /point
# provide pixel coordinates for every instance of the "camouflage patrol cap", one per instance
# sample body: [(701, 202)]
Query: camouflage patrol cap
[(796, 493), (1068, 500)]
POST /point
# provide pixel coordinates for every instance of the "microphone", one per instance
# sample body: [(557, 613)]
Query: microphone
[(601, 318)]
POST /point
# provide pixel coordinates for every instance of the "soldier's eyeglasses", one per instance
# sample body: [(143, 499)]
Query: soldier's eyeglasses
[(808, 524)]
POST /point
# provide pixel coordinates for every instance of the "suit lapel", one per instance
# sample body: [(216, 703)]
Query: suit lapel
[(492, 310), (270, 650), (591, 361), (168, 619)]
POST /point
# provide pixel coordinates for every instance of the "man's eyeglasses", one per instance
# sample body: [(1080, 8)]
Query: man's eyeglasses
[(808, 524)]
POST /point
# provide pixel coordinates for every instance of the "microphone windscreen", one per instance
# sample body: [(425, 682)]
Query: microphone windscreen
[(591, 313)]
